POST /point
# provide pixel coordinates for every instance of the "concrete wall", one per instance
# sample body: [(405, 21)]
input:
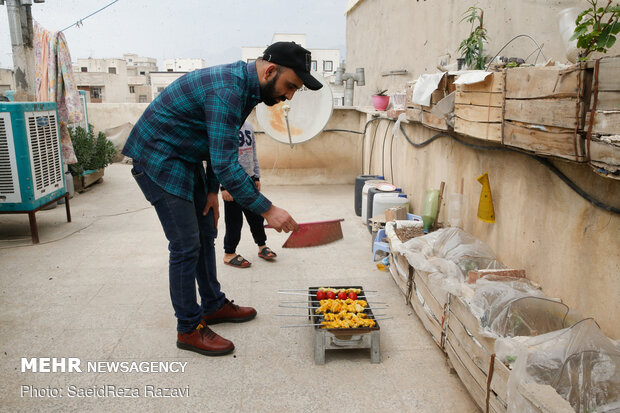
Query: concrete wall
[(566, 244), (385, 35)]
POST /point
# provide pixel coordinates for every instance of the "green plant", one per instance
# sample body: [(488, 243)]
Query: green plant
[(91, 153), (471, 49), (593, 34), (380, 92)]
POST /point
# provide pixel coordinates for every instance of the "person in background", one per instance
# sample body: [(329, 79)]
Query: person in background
[(233, 212), (195, 119)]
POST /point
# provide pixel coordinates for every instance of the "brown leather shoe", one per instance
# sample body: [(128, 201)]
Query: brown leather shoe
[(203, 340), (230, 313)]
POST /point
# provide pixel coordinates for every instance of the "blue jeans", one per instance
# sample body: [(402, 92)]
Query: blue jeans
[(192, 252)]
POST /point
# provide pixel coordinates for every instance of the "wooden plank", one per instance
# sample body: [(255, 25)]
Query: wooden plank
[(499, 381), (608, 70), (430, 300), (605, 152), (414, 114), (396, 276), (607, 100), (479, 355), (493, 83), (541, 82), (431, 325), (551, 112), (605, 123), (543, 399), (480, 130), (432, 121), (479, 98), (480, 376), (546, 140), (470, 322), (475, 113)]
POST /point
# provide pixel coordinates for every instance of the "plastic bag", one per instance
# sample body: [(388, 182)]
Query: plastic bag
[(580, 363)]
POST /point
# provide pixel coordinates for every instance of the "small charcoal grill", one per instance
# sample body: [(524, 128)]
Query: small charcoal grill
[(343, 338)]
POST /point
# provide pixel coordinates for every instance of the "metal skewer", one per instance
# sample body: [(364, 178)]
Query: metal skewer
[(314, 308), (306, 289), (321, 325), (369, 316), (305, 302), (314, 295)]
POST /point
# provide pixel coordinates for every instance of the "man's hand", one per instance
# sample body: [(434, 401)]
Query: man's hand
[(226, 196), (257, 185), (212, 202), (280, 220)]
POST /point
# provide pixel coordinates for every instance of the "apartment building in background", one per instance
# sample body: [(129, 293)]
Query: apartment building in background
[(324, 61), (125, 80), (184, 65)]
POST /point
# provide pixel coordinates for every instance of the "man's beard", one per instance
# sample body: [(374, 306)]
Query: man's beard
[(267, 92)]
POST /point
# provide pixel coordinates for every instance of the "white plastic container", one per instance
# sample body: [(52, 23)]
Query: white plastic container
[(455, 206), (381, 202), (566, 27), (369, 184)]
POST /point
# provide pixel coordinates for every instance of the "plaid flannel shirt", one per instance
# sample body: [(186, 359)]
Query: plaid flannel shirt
[(196, 118)]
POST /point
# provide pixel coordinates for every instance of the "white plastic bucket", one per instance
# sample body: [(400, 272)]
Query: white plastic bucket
[(369, 184)]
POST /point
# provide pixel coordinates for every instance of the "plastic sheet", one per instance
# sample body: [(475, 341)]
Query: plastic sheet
[(580, 363), (448, 255)]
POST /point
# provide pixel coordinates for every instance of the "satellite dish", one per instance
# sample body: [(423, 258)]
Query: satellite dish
[(307, 113)]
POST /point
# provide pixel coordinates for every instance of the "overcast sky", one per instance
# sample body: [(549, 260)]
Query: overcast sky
[(208, 29)]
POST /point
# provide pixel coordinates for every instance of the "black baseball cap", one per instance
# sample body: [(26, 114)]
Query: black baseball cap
[(293, 56)]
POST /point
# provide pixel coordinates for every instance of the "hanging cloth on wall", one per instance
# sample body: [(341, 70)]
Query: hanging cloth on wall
[(54, 83)]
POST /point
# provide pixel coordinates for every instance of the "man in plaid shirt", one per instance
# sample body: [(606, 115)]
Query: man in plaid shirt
[(196, 119)]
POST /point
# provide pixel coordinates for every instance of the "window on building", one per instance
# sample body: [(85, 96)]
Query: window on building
[(112, 70), (160, 89), (131, 60), (170, 70), (313, 65), (132, 89), (95, 93), (83, 69), (142, 72), (328, 66), (142, 99)]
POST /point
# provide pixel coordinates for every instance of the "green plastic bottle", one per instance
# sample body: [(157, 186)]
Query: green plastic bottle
[(429, 208)]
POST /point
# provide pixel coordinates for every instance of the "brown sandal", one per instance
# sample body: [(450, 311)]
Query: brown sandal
[(239, 262), (266, 254)]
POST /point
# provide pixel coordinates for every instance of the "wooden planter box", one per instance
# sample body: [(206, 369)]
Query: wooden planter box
[(422, 114), (603, 118), (88, 178), (478, 109), (544, 110)]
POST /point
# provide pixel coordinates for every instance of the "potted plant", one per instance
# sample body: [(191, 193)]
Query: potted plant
[(472, 48), (93, 155), (380, 100), (596, 28)]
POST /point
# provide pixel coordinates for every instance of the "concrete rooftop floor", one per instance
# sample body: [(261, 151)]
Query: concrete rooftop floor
[(97, 289)]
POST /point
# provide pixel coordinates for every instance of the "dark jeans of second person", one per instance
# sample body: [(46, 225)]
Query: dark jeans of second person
[(233, 216), (192, 251)]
